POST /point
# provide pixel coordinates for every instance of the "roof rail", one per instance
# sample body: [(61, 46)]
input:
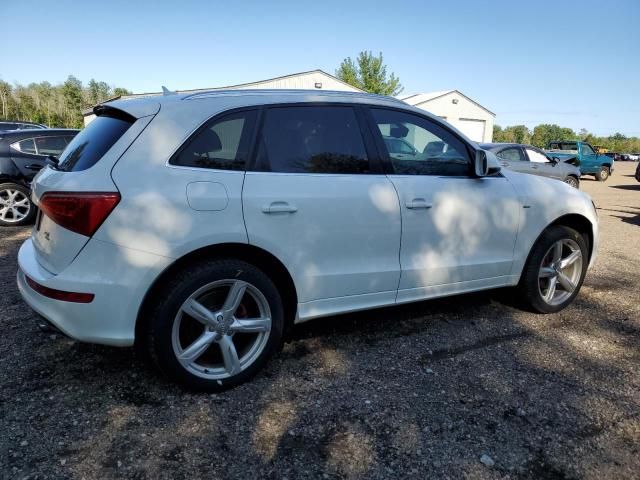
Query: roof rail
[(264, 92)]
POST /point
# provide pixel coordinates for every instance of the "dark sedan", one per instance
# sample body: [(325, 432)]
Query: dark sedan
[(529, 159), (22, 154)]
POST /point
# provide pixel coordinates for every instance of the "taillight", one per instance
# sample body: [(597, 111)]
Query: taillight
[(80, 212)]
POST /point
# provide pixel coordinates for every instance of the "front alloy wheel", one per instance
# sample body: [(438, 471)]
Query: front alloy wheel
[(555, 270), (560, 271), (15, 206)]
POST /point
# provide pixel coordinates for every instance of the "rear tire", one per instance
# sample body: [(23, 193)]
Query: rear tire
[(239, 329), (603, 174), (573, 181), (16, 208), (554, 271)]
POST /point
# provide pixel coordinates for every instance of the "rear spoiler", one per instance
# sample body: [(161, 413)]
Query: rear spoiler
[(130, 108)]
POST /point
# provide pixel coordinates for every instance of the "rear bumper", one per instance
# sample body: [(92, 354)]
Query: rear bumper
[(118, 277)]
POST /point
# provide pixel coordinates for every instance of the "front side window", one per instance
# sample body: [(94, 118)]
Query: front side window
[(536, 156), (512, 155), (50, 145), (587, 150), (312, 139), (223, 144), (433, 149)]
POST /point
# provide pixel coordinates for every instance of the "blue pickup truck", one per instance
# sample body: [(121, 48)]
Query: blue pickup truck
[(583, 155)]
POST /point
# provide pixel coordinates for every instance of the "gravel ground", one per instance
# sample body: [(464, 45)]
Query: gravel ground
[(464, 387)]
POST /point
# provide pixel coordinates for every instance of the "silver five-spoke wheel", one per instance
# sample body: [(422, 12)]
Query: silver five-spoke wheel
[(14, 205), (221, 329), (560, 271)]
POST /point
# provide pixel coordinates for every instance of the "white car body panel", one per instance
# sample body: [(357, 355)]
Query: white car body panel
[(362, 247)]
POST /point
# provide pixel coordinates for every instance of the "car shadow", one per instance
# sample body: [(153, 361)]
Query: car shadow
[(627, 187)]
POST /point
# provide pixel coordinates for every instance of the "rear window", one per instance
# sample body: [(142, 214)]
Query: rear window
[(92, 143)]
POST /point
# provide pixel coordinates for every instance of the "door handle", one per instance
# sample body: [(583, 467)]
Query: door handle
[(33, 166), (504, 164), (279, 207), (535, 167), (418, 204)]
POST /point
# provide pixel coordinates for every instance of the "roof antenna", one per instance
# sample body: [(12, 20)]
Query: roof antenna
[(166, 91)]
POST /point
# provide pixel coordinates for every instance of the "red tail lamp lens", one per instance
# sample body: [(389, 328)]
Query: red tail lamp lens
[(80, 212)]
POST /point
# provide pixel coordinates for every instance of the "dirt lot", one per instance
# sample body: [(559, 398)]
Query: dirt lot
[(420, 391)]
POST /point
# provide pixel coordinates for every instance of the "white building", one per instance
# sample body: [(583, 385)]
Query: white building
[(313, 80), (467, 115)]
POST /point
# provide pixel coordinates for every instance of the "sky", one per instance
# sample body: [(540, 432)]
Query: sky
[(574, 63)]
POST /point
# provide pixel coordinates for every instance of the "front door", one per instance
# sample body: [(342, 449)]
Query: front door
[(458, 232), (543, 166), (315, 200)]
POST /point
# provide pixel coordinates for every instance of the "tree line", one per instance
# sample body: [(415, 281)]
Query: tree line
[(542, 134), (54, 105)]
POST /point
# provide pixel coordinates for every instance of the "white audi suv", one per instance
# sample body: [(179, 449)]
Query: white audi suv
[(202, 227)]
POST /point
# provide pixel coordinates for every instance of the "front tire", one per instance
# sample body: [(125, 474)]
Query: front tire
[(603, 174), (554, 271), (16, 207), (215, 325), (573, 181)]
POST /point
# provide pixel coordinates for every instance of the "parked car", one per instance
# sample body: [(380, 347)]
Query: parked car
[(19, 125), (638, 172), (22, 154), (203, 226), (529, 159), (590, 162), (630, 157)]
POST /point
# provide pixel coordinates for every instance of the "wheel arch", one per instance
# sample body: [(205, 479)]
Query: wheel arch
[(576, 221), (256, 256)]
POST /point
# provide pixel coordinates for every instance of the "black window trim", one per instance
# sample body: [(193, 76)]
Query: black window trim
[(211, 120), (384, 154), (373, 155)]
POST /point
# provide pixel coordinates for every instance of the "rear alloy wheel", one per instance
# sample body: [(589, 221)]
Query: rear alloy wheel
[(219, 325), (573, 181), (602, 174), (555, 270), (15, 205)]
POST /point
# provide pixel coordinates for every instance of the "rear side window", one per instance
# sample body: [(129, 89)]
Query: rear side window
[(512, 155), (92, 143), (9, 126), (50, 145), (311, 139), (223, 144), (25, 146)]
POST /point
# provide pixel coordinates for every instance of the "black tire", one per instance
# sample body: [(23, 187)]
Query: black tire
[(603, 174), (4, 187), (573, 181), (528, 287), (172, 295)]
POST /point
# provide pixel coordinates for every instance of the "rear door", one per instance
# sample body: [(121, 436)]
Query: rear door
[(514, 158), (316, 197), (30, 154)]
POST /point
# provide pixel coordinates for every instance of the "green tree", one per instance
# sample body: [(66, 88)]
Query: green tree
[(119, 92), (545, 133), (73, 101), (369, 73)]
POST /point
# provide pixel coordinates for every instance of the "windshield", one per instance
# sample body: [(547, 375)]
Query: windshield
[(90, 145)]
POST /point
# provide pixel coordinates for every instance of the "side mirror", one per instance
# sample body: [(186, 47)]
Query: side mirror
[(481, 164), (554, 160)]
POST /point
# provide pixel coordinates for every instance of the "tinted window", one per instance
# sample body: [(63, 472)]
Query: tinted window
[(92, 143), (435, 151), (9, 126), (27, 146), (223, 144), (318, 139), (50, 145), (512, 154)]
